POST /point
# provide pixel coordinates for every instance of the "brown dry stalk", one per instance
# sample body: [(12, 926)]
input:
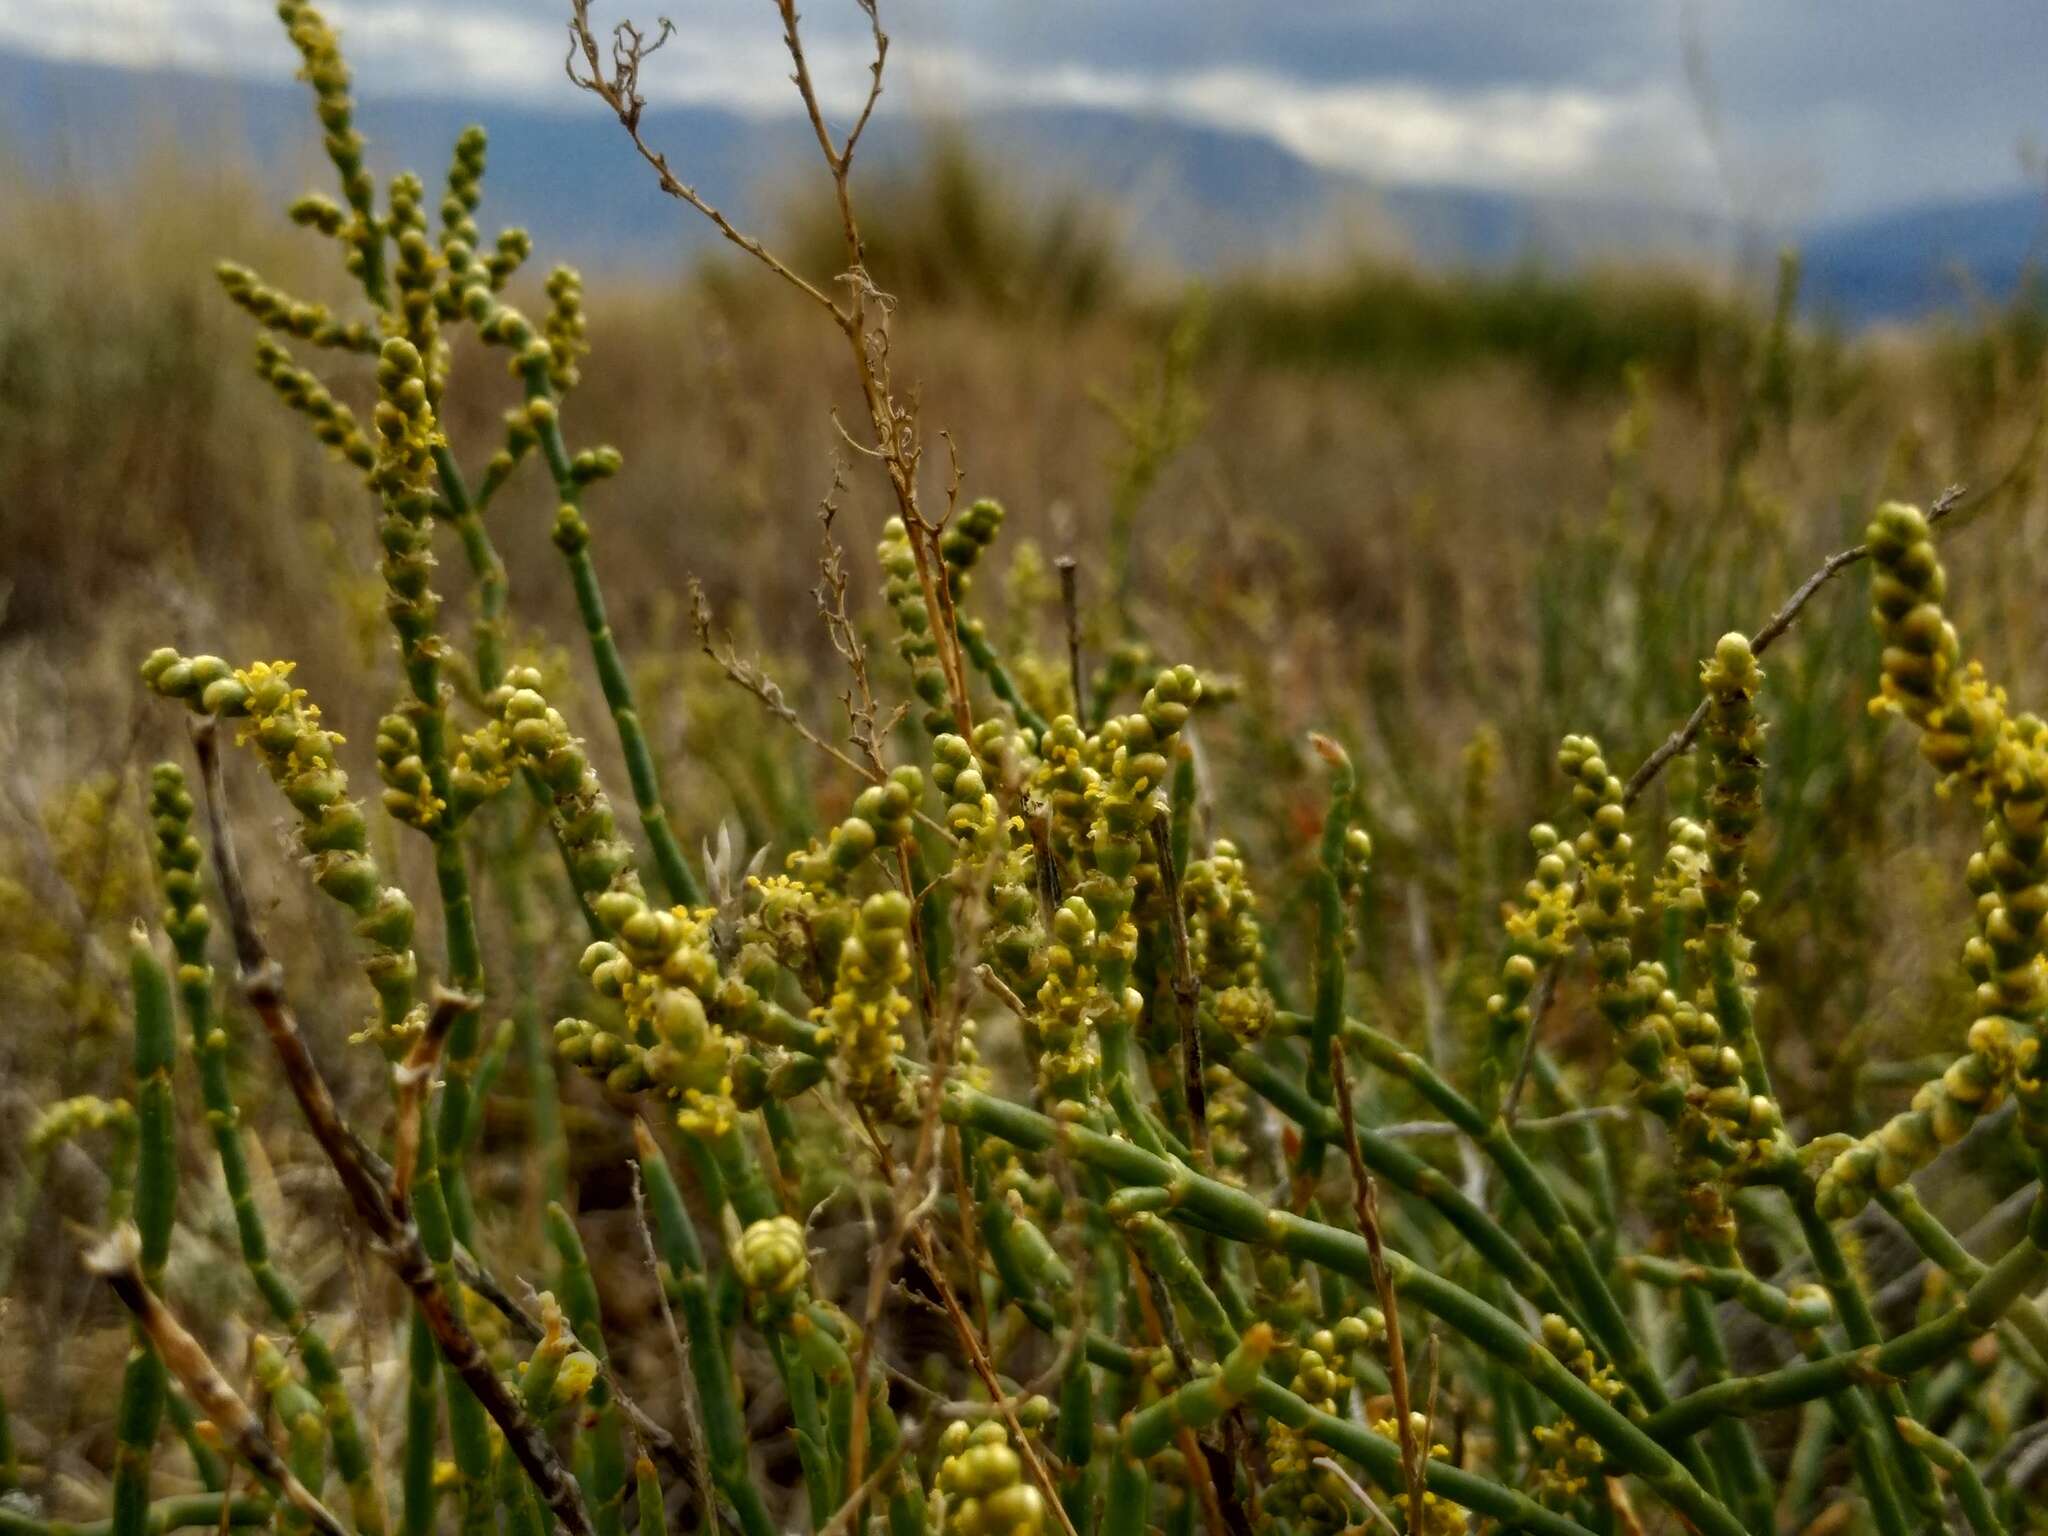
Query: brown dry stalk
[(1365, 1204), (1767, 635), (394, 1236), (977, 1357), (1762, 640), (645, 1146), (1185, 994), (414, 1080), (1070, 610), (1155, 1308), (653, 1437), (894, 425), (118, 1261)]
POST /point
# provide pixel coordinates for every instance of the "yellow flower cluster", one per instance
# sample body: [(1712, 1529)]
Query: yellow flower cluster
[(865, 1017), (298, 752), (1225, 943), (981, 1486), (2001, 760), (1570, 1457)]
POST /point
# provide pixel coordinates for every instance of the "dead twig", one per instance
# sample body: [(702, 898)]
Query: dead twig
[(1070, 609), (394, 1236), (700, 1466), (1365, 1204), (1186, 993), (118, 1261), (1762, 641), (1773, 627)]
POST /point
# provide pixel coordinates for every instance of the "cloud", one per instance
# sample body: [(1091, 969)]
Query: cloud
[(1555, 137), (1823, 113), (1560, 138)]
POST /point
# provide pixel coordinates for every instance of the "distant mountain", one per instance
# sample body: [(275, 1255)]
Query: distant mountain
[(1198, 198), (1911, 261)]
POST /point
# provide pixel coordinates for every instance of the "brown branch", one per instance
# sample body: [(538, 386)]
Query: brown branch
[(1365, 1204), (393, 1235), (118, 1261), (764, 688), (894, 425), (1155, 1308), (842, 1521), (1070, 608), (1185, 993), (985, 1369), (700, 1465), (874, 85), (1762, 640), (1773, 627), (653, 1436), (620, 90), (830, 593), (414, 1080)]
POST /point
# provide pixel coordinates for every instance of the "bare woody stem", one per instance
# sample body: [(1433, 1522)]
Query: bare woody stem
[(1682, 738), (1365, 1204), (118, 1261), (895, 438), (394, 1237)]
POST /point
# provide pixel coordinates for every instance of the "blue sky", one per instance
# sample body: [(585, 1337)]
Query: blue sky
[(1823, 109)]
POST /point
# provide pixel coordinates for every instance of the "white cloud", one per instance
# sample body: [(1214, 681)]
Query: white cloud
[(1396, 131), (1552, 138)]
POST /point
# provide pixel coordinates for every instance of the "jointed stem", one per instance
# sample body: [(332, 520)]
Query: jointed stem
[(1208, 1205)]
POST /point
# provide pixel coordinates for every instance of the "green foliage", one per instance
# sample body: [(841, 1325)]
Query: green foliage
[(950, 229), (1571, 332)]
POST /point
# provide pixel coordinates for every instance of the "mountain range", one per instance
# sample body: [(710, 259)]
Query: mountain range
[(1189, 197)]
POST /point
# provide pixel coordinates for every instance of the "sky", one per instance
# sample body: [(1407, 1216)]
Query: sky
[(1767, 110)]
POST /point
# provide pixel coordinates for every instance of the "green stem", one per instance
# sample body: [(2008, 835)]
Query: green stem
[(647, 1499), (1735, 1448), (418, 1495), (484, 564), (543, 1090), (1804, 1474), (1971, 1493), (604, 1437), (572, 538), (206, 1461), (1494, 1137), (144, 1382), (1233, 1213), (1941, 1248), (1989, 1299), (1381, 1458), (1528, 1272), (459, 1054), (469, 1432), (1853, 1307), (1328, 1017), (718, 1406), (975, 642), (1730, 1282)]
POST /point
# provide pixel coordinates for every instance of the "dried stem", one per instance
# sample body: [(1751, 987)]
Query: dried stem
[(1186, 994), (1682, 738), (118, 1261), (395, 1237), (1070, 609), (1365, 1205)]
